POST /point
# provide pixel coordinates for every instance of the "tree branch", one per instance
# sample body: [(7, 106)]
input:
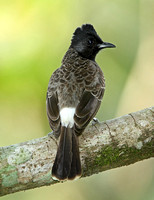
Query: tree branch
[(103, 146)]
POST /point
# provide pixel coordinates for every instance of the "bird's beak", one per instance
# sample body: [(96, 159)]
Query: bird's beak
[(106, 45)]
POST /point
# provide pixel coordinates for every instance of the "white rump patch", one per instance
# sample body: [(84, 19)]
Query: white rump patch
[(67, 116)]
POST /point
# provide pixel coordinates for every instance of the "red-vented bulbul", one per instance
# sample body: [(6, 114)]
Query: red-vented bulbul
[(74, 96)]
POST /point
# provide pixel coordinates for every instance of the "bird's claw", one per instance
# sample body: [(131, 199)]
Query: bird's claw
[(95, 121), (51, 134)]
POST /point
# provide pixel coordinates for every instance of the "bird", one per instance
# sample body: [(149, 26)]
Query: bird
[(74, 95)]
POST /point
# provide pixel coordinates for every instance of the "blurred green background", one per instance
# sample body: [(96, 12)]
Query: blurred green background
[(34, 35)]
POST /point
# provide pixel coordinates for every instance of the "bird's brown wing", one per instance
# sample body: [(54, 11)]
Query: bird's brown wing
[(90, 101), (85, 111), (53, 113), (52, 104)]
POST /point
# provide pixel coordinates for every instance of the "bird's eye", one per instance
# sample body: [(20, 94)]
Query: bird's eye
[(90, 41)]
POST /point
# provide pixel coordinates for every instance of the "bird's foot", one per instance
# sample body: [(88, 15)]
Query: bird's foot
[(51, 134), (95, 121)]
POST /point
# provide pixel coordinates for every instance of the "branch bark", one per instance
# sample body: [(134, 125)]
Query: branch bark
[(113, 143)]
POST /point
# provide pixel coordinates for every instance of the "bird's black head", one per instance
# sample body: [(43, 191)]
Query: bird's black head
[(87, 43)]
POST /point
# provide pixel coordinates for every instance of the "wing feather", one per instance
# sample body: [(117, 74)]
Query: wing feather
[(53, 113)]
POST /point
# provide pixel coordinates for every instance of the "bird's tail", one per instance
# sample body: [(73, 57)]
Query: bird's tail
[(67, 163)]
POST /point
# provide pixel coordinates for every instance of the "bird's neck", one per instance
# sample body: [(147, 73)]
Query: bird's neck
[(72, 55)]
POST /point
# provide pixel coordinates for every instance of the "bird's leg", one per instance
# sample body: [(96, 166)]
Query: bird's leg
[(51, 134), (54, 135), (95, 121)]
